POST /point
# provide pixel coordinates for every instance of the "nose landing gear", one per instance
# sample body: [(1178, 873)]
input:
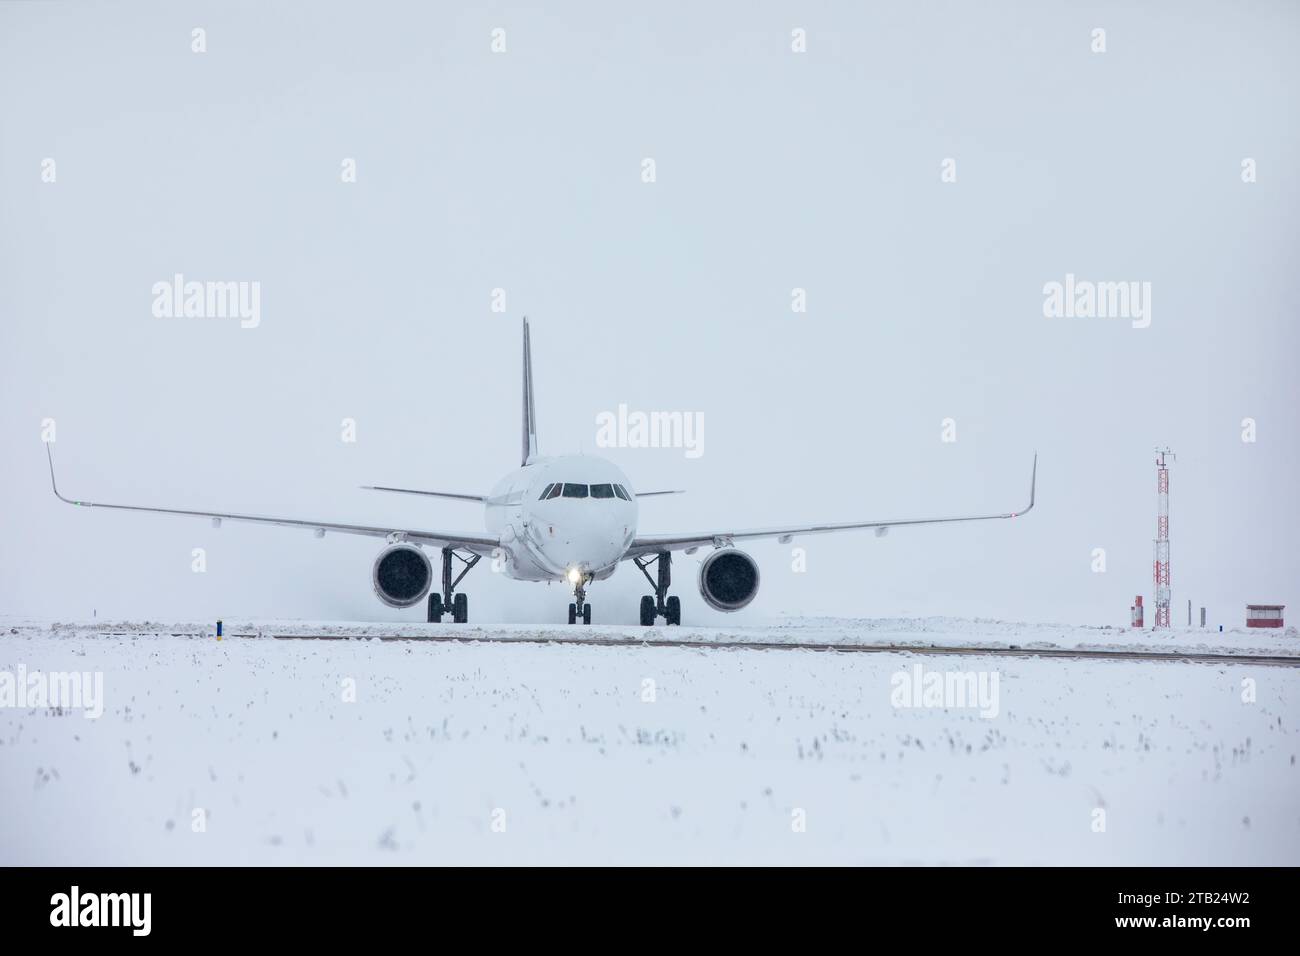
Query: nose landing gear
[(448, 602), (580, 608), (659, 604)]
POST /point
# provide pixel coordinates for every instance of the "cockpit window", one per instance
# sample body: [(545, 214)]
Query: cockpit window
[(570, 489)]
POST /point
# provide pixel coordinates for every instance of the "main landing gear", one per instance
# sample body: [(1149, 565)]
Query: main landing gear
[(580, 608), (448, 602), (659, 604)]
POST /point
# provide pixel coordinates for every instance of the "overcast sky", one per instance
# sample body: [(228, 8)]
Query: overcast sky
[(774, 170)]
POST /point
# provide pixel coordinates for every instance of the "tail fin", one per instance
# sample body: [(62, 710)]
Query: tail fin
[(530, 413)]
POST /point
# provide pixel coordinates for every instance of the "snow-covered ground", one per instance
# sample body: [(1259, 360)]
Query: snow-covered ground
[(519, 752), (902, 632)]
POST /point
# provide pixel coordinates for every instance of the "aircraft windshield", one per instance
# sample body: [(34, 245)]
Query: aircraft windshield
[(570, 489)]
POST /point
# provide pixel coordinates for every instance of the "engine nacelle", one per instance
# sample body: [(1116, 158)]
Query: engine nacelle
[(402, 575), (728, 579)]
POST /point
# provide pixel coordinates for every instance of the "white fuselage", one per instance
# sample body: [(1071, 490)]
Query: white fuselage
[(584, 527)]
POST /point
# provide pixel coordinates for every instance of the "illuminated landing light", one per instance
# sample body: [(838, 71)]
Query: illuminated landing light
[(574, 575)]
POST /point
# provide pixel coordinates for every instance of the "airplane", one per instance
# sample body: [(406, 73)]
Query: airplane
[(571, 519)]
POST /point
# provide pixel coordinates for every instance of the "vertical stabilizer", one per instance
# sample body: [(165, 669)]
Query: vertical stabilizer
[(530, 413)]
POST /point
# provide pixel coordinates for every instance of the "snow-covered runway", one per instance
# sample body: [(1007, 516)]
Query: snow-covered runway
[(666, 638), (354, 751)]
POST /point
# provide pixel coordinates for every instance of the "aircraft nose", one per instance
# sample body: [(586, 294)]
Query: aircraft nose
[(590, 545)]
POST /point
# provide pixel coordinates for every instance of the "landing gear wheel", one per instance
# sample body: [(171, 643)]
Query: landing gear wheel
[(653, 605), (448, 601), (580, 610), (674, 614)]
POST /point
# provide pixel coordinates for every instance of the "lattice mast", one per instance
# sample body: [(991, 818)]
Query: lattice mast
[(1163, 593)]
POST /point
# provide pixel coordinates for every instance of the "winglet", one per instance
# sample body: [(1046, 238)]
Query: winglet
[(1033, 483), (53, 484)]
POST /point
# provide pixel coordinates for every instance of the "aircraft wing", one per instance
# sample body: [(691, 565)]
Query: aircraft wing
[(649, 544), (477, 543)]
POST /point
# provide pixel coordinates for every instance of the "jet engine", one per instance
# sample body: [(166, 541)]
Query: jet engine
[(728, 579), (402, 575)]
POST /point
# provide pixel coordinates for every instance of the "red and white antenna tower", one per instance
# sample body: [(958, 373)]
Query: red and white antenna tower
[(1162, 538)]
